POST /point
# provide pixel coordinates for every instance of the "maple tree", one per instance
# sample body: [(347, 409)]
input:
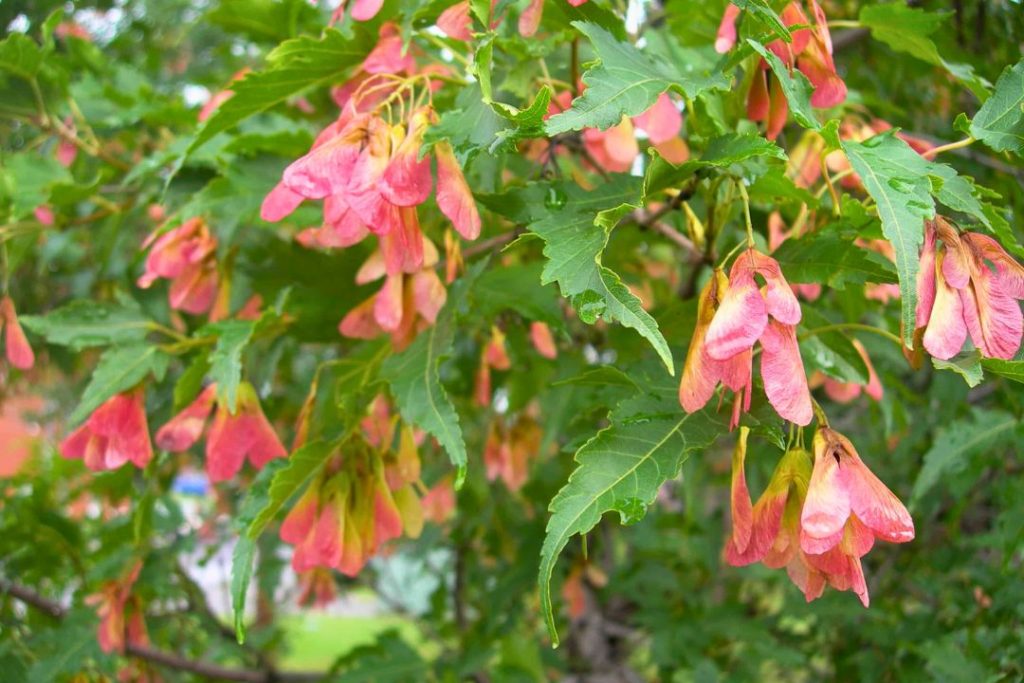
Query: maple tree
[(408, 295)]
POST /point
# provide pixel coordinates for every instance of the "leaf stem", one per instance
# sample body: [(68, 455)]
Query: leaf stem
[(746, 213), (935, 151), (819, 414), (853, 326), (441, 45)]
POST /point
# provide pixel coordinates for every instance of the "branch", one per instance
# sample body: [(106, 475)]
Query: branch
[(161, 657)]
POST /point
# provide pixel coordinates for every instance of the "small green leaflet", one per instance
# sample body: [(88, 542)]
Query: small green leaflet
[(904, 201), (794, 85), (416, 383), (620, 468), (626, 83), (293, 66), (1000, 121), (575, 230), (31, 180), (290, 477), (953, 446), (120, 368), (226, 359), (81, 324)]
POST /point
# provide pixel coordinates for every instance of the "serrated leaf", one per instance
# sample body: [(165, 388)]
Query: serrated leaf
[(20, 55), (967, 365), (81, 324), (517, 288), (625, 83), (1000, 121), (907, 30), (621, 468), (120, 368), (575, 234), (764, 12), (31, 181), (825, 257), (952, 446), (388, 660), (294, 66), (794, 84), (1010, 369), (721, 152), (473, 126), (226, 358), (289, 478), (242, 558), (415, 381), (890, 171)]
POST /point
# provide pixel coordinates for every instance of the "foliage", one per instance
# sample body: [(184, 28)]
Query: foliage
[(429, 400)]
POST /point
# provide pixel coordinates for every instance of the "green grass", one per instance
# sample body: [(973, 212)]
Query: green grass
[(314, 640)]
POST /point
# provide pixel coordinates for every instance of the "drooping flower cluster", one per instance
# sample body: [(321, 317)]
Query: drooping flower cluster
[(187, 256), (810, 51), (120, 612), (509, 451), (115, 433), (369, 174), (817, 522), (968, 285), (19, 352), (407, 303), (732, 315), (363, 498), (232, 437)]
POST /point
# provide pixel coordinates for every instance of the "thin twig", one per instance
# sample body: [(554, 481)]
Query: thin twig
[(170, 660)]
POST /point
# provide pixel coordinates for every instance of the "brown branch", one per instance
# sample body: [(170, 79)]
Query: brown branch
[(170, 660)]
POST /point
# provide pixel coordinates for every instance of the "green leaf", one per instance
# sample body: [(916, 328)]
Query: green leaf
[(764, 12), (226, 359), (517, 288), (257, 499), (795, 86), (120, 368), (721, 152), (621, 468), (294, 66), (81, 324), (907, 29), (626, 83), (290, 478), (31, 180), (827, 258), (1010, 369), (1000, 121), (575, 231), (891, 173), (389, 659), (21, 56), (473, 126), (831, 352), (191, 381), (953, 446), (967, 365), (415, 381), (242, 558)]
